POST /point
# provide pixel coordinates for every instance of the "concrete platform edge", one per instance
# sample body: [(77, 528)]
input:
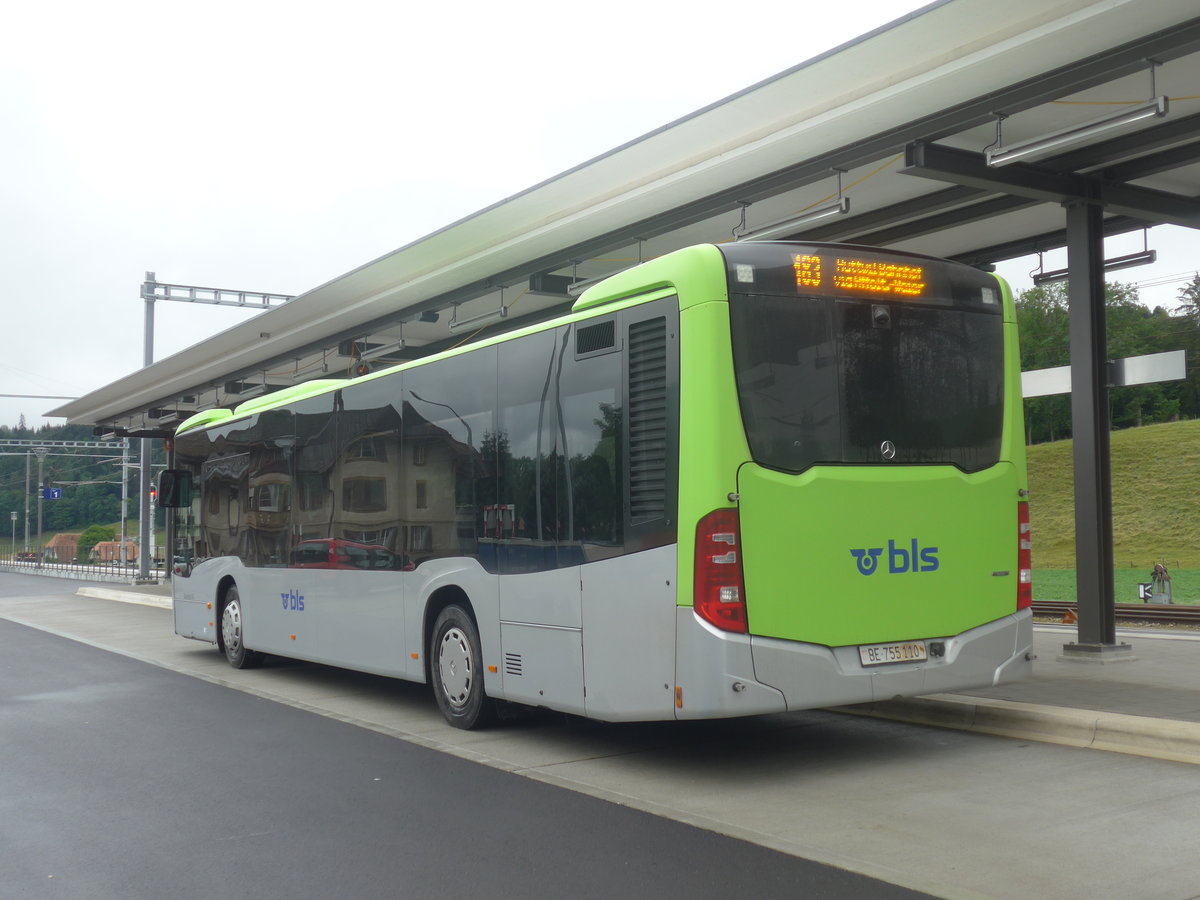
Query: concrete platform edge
[(146, 599), (1164, 739)]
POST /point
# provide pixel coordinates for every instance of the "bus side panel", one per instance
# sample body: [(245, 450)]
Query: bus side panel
[(629, 636), (540, 638), (359, 616), (714, 674), (268, 625), (543, 666), (195, 600)]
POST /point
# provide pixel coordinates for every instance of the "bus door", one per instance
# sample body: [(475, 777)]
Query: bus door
[(193, 616)]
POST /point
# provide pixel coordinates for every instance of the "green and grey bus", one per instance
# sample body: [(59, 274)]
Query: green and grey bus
[(734, 480)]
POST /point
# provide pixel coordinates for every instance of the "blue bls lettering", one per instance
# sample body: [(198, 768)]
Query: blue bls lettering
[(868, 560), (293, 599), (909, 558)]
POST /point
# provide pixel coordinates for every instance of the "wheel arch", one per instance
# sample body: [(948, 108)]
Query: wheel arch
[(447, 595)]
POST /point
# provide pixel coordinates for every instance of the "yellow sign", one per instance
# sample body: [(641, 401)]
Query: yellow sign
[(878, 277), (808, 270), (861, 276)]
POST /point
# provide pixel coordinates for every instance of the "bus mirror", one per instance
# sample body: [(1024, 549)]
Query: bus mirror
[(175, 489)]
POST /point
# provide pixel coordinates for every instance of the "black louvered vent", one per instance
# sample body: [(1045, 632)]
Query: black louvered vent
[(591, 338), (513, 664), (647, 419)]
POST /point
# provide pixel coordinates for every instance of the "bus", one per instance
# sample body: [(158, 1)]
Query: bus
[(734, 480)]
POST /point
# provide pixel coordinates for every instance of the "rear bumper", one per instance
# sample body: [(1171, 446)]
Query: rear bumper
[(810, 676), (762, 675)]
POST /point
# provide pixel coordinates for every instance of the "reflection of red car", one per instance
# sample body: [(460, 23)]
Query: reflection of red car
[(331, 553)]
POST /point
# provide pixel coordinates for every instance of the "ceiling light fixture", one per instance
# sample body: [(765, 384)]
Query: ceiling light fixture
[(457, 324), (787, 227), (1156, 107), (1002, 156), (1141, 258)]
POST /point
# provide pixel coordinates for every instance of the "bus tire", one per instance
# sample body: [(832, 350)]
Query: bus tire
[(231, 633), (456, 670)]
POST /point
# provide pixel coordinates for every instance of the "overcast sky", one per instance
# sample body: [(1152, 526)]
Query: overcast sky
[(275, 146)]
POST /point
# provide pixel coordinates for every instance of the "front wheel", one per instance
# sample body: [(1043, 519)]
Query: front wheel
[(456, 663), (231, 633)]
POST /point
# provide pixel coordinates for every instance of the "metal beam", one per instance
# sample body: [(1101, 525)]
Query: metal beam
[(1047, 240), (1157, 149), (152, 289), (967, 168), (964, 215)]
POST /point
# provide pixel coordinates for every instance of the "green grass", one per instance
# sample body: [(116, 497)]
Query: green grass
[(1156, 510), (1059, 584)]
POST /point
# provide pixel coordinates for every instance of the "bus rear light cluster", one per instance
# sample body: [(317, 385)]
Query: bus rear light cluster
[(1024, 557), (719, 594)]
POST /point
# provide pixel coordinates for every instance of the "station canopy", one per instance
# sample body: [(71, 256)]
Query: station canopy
[(891, 130)]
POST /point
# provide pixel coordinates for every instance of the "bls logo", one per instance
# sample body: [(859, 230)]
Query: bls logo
[(900, 559), (293, 600)]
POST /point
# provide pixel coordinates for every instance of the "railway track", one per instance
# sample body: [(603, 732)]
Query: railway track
[(1159, 614)]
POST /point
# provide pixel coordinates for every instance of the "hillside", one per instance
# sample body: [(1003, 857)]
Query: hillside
[(1156, 498)]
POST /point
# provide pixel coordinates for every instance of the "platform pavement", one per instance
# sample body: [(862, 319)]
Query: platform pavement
[(1147, 706)]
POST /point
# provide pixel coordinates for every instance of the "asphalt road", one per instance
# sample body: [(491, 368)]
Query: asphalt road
[(120, 779), (134, 763)]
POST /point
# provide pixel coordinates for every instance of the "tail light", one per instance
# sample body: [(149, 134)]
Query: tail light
[(1024, 557), (719, 594)]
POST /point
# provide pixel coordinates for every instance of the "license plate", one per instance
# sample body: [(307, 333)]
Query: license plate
[(884, 654)]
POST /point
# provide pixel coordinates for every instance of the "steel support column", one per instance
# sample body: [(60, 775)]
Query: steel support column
[(1090, 426), (145, 449)]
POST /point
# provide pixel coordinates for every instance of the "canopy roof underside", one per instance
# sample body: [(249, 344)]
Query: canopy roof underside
[(904, 112)]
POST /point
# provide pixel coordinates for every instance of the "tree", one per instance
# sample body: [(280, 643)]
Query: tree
[(92, 535), (1133, 330), (1187, 319), (1042, 323)]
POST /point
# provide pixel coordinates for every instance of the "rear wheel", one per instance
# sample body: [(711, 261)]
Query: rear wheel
[(456, 663), (231, 633)]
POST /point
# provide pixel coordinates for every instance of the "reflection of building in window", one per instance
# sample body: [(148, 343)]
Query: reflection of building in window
[(367, 537), (420, 538), (234, 512), (268, 498), (364, 495), (311, 491), (367, 448), (421, 495), (499, 520), (420, 453)]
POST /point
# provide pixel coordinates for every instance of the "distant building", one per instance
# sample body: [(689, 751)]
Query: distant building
[(110, 551), (63, 547)]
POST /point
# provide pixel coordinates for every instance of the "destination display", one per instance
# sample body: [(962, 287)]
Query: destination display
[(858, 275), (816, 270)]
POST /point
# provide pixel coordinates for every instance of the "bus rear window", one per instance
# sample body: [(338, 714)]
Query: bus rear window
[(830, 380)]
